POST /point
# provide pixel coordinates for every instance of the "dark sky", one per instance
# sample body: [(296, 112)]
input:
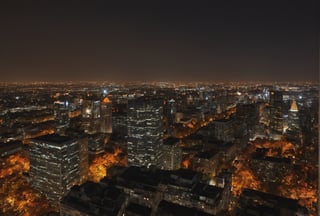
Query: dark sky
[(200, 41)]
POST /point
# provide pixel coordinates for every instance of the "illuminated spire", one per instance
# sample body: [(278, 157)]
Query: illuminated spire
[(294, 107), (106, 100)]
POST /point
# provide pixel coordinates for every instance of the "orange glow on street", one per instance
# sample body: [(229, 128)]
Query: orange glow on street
[(98, 167), (186, 164), (17, 197)]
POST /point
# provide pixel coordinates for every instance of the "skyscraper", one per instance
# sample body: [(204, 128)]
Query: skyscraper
[(91, 114), (276, 114), (145, 131), (56, 164), (106, 116), (170, 111), (293, 118), (172, 154), (61, 115), (294, 133)]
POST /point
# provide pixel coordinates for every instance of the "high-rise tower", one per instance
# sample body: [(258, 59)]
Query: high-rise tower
[(106, 116), (293, 117), (57, 163), (294, 133), (276, 114), (145, 131), (61, 115)]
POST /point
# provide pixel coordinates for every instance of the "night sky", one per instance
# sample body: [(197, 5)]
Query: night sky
[(180, 41)]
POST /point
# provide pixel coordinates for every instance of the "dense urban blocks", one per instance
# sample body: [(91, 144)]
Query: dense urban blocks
[(118, 148)]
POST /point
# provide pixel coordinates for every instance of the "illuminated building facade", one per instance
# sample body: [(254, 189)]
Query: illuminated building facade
[(91, 115), (294, 132), (170, 110), (57, 163), (293, 117), (61, 115), (106, 116), (172, 154), (276, 114), (119, 123), (145, 132), (83, 159), (97, 115), (224, 129), (95, 120), (206, 162)]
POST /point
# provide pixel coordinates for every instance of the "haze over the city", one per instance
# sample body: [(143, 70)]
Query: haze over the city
[(189, 41)]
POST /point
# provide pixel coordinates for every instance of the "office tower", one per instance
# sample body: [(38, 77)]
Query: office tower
[(95, 120), (172, 154), (91, 115), (294, 133), (170, 110), (119, 123), (276, 114), (224, 129), (106, 116), (145, 131), (293, 118), (61, 115), (83, 157), (97, 115), (275, 98), (86, 108), (57, 163)]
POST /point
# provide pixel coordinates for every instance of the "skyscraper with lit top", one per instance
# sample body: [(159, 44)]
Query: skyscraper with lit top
[(61, 115), (294, 133), (106, 116), (293, 117)]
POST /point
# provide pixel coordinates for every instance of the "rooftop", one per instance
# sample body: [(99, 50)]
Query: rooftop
[(206, 154), (53, 138), (137, 209), (138, 175), (207, 191), (271, 200), (170, 141), (167, 208)]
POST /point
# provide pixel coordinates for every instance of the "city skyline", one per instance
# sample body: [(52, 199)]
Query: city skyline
[(211, 42), (224, 149)]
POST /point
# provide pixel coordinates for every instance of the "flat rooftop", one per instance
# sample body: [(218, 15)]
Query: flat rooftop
[(53, 138)]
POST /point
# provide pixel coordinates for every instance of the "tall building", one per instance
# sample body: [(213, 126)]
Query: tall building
[(91, 114), (172, 154), (224, 129), (61, 115), (145, 131), (276, 114), (97, 115), (95, 120), (170, 110), (293, 117), (57, 163), (294, 132), (84, 159), (106, 116)]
